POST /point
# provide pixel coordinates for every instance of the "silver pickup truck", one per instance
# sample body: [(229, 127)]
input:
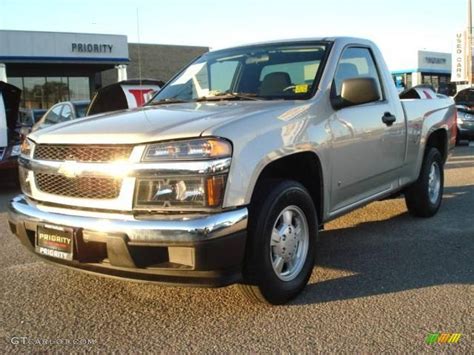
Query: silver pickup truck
[(228, 173)]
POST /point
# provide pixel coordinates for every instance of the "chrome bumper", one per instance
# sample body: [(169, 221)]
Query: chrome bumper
[(151, 230)]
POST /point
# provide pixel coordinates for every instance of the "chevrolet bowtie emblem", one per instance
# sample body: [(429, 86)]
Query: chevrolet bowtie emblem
[(70, 169)]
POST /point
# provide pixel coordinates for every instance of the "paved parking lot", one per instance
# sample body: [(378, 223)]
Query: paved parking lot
[(383, 281)]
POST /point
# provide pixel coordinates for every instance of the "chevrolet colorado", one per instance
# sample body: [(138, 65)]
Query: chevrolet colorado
[(228, 173)]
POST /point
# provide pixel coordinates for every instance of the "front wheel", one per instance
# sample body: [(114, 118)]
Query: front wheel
[(281, 243), (423, 198)]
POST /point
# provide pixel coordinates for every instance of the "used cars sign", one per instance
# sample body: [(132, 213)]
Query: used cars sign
[(459, 72)]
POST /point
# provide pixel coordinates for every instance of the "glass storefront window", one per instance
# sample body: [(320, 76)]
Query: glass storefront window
[(44, 92), (56, 90), (438, 81), (408, 81), (34, 93), (79, 88), (17, 81)]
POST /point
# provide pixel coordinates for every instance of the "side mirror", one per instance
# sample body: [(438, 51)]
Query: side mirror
[(356, 91)]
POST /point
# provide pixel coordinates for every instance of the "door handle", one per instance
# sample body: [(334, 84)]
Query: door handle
[(388, 118)]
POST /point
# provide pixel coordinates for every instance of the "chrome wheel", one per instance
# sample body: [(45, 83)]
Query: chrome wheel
[(434, 183), (289, 243)]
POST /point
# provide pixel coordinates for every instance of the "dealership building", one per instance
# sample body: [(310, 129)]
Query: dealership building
[(426, 67), (54, 66)]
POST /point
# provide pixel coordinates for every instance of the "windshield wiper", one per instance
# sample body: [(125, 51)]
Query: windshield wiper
[(167, 101), (231, 96)]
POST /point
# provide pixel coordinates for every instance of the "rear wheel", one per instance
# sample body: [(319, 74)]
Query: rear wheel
[(281, 245), (423, 198)]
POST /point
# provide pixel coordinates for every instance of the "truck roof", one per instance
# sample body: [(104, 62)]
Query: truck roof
[(343, 39)]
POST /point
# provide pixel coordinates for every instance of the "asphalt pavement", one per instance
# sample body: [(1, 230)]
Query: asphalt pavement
[(383, 282)]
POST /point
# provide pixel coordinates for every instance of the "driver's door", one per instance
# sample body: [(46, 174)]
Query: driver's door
[(365, 151)]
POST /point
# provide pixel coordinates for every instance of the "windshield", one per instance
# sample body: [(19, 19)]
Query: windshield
[(267, 72), (465, 97), (38, 114), (81, 110)]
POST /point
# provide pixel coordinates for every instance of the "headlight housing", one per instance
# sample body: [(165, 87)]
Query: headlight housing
[(27, 148), (15, 151), (184, 191), (462, 115), (188, 192), (195, 149)]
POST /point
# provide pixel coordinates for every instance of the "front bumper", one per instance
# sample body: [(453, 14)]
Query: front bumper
[(201, 250)]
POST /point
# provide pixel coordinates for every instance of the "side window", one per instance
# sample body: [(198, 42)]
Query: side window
[(54, 115), (66, 113), (356, 62)]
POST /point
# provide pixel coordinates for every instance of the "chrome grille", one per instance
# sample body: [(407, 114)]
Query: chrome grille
[(78, 187), (82, 153)]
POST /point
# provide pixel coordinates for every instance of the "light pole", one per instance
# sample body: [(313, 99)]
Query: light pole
[(469, 42)]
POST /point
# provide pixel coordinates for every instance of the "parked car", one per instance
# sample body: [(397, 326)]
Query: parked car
[(465, 106), (29, 117), (123, 95), (9, 129), (227, 175), (62, 112)]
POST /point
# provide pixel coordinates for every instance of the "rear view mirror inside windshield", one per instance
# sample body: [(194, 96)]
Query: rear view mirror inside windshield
[(257, 59)]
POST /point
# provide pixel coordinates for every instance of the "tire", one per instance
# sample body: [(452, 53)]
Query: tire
[(423, 198), (281, 242)]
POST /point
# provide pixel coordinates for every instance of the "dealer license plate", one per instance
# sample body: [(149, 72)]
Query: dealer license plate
[(55, 241)]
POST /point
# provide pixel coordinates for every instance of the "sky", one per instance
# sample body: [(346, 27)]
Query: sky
[(399, 27)]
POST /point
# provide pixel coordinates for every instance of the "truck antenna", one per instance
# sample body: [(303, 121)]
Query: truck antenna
[(139, 51)]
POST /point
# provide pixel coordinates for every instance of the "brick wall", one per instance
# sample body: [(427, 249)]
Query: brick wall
[(159, 61)]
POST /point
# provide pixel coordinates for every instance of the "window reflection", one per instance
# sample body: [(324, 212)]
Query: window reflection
[(33, 92), (56, 90), (79, 88), (44, 92)]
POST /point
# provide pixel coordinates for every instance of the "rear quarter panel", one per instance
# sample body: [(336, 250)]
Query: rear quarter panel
[(423, 118)]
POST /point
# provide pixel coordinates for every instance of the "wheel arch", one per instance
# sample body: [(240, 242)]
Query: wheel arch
[(438, 139), (304, 167)]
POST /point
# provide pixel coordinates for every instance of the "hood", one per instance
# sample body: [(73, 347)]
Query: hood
[(9, 106), (153, 123)]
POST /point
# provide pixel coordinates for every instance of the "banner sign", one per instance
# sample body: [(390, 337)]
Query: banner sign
[(460, 62)]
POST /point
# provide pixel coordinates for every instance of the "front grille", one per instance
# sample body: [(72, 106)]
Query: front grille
[(82, 153), (79, 187)]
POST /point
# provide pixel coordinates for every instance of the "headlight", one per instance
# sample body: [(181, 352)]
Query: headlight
[(196, 149), (464, 116), (180, 192), (27, 148), (15, 151)]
